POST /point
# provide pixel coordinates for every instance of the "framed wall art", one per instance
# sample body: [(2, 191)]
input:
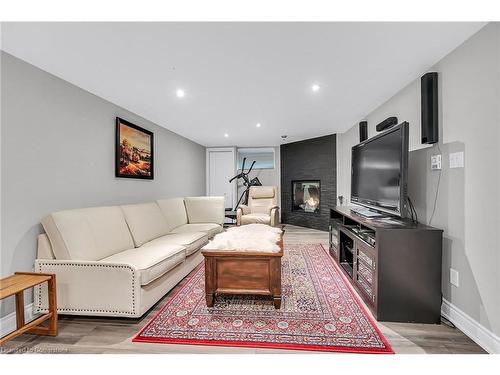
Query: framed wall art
[(134, 151)]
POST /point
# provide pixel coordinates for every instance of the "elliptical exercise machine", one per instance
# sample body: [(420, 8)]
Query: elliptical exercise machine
[(246, 182)]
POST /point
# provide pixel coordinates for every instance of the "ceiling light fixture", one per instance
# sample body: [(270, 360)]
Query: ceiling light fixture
[(226, 135), (180, 93), (258, 125), (315, 87)]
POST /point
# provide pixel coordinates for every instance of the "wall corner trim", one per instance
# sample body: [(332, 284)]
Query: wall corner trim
[(8, 322), (475, 331)]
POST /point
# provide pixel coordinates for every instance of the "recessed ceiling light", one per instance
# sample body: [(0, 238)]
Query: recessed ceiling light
[(180, 93), (315, 87), (226, 135), (258, 125)]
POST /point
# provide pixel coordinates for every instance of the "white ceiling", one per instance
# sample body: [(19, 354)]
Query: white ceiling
[(238, 74)]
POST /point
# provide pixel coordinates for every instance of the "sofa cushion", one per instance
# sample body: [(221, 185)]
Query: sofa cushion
[(256, 219), (151, 261), (87, 233), (211, 229), (145, 221), (174, 211), (191, 241), (205, 210)]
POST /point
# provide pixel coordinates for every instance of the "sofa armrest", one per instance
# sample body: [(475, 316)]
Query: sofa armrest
[(240, 211), (91, 287), (205, 209), (244, 209), (239, 214), (44, 248), (275, 216), (273, 208)]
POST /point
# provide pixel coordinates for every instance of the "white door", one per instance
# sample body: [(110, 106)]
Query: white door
[(220, 169)]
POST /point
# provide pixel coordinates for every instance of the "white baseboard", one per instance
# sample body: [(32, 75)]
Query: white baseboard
[(8, 322), (478, 333)]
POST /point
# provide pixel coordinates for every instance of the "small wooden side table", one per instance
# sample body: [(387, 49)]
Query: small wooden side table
[(16, 285)]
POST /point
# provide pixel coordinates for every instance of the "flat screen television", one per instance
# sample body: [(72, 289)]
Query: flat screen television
[(379, 171)]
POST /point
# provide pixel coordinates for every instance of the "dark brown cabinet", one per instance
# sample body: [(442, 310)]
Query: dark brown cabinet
[(394, 264), (366, 272), (334, 239)]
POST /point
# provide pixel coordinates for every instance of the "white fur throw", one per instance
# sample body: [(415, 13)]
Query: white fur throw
[(251, 237)]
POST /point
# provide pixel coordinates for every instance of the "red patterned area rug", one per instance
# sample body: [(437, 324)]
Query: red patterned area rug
[(319, 312)]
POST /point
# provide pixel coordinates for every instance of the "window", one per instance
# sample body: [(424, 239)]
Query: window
[(263, 157)]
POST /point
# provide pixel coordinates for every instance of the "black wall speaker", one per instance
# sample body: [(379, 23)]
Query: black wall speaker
[(387, 123), (429, 107), (363, 131)]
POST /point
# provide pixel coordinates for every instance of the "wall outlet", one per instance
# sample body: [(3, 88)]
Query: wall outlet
[(435, 162), (454, 277), (457, 159)]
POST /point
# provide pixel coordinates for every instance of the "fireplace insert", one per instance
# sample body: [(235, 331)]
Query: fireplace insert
[(306, 196)]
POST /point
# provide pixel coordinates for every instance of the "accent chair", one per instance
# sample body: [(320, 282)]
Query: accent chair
[(262, 207)]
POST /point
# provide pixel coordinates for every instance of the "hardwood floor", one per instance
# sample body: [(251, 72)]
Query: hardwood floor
[(114, 335)]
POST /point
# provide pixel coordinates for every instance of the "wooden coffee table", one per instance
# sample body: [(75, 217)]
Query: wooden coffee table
[(243, 272), (15, 285)]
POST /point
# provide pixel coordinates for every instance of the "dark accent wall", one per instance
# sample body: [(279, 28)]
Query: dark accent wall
[(312, 159)]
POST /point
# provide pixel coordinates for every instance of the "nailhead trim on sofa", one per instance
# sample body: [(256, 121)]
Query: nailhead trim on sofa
[(90, 265)]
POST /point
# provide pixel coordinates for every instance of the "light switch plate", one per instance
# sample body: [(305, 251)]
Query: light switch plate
[(454, 277), (457, 159), (435, 162)]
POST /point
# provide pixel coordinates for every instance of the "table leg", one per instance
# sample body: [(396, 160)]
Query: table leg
[(20, 309), (52, 294), (210, 281), (277, 302), (275, 265), (210, 297)]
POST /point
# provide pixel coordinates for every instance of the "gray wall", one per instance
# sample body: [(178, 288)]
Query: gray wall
[(57, 152), (467, 203)]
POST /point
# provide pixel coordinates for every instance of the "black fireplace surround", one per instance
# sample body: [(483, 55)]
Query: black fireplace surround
[(308, 175)]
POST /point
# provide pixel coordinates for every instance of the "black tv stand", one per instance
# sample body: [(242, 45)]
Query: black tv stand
[(395, 264)]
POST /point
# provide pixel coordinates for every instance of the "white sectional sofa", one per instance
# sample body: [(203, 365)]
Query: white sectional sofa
[(120, 260)]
